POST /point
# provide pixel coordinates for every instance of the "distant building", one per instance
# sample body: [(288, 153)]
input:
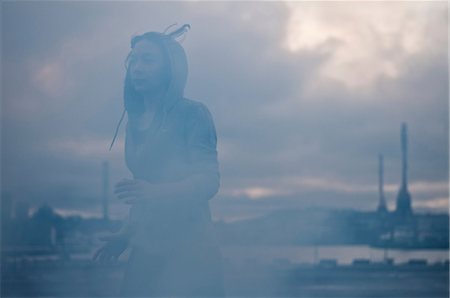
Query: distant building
[(22, 210), (403, 228), (7, 203)]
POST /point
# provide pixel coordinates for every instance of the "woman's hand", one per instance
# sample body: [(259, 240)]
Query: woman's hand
[(133, 191), (115, 245)]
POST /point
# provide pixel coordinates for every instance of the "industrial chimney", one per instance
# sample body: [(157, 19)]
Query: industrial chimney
[(382, 202), (105, 175), (404, 198)]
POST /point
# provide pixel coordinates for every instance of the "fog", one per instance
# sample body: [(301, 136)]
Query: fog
[(246, 148)]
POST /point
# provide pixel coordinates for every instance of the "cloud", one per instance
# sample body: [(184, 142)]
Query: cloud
[(49, 78), (255, 192), (84, 148), (366, 41), (304, 95), (439, 204), (290, 186)]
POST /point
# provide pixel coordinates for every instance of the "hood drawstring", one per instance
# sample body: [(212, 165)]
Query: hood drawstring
[(117, 128)]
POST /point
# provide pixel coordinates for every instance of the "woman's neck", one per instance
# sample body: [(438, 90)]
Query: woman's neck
[(151, 100)]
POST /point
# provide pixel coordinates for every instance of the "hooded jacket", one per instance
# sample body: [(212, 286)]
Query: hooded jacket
[(179, 143)]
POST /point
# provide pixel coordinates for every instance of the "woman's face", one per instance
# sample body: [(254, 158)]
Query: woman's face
[(147, 67)]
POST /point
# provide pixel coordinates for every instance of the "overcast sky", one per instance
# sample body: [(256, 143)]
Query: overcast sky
[(304, 95)]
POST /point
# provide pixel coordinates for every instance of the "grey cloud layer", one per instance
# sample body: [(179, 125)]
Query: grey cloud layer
[(276, 116)]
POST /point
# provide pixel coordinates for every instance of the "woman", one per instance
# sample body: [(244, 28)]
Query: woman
[(170, 148)]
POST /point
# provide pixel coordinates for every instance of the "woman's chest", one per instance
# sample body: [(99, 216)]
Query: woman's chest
[(161, 151)]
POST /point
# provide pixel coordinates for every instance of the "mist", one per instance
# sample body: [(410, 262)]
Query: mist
[(253, 148)]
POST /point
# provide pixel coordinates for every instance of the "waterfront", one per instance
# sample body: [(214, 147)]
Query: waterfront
[(80, 277), (343, 254)]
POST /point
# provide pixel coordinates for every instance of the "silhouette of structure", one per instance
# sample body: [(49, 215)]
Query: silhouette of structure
[(403, 207), (382, 202), (105, 174), (7, 204)]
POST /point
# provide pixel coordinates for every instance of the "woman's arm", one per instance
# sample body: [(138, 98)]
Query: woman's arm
[(125, 230)]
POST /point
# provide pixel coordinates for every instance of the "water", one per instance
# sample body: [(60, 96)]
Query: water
[(343, 254)]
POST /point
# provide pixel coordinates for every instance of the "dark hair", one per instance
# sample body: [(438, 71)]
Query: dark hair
[(133, 101)]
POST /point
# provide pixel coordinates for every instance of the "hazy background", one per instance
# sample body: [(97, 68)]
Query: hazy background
[(304, 95)]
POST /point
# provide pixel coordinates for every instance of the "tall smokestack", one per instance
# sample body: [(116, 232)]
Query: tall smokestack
[(404, 198), (382, 203), (105, 175), (404, 156)]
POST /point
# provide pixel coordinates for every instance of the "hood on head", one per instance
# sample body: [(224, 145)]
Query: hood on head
[(179, 71)]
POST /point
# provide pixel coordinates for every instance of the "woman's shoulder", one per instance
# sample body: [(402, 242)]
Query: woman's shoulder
[(196, 117), (190, 105), (193, 109)]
